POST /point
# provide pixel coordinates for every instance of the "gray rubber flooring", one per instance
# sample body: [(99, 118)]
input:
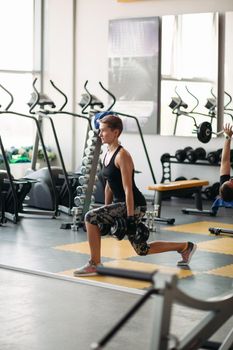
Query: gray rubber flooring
[(43, 313)]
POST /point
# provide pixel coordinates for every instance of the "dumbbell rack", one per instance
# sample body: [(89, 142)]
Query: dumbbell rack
[(167, 160), (85, 191)]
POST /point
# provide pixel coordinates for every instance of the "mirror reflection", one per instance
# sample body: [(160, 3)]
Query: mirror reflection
[(228, 98), (189, 69)]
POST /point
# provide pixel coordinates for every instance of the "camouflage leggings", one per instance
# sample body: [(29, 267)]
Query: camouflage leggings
[(107, 214)]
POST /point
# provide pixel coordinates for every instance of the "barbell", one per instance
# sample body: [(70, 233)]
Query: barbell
[(204, 132)]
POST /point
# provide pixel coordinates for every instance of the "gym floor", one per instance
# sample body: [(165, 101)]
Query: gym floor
[(38, 312)]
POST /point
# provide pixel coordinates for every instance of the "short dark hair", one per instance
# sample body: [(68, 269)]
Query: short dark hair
[(226, 192), (113, 122)]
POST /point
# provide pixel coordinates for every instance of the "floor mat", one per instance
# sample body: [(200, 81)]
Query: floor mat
[(218, 245), (110, 248)]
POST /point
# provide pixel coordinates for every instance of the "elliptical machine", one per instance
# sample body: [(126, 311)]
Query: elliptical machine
[(15, 191), (65, 182), (90, 102), (67, 190)]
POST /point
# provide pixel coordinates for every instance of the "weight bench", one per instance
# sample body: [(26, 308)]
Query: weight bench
[(175, 187)]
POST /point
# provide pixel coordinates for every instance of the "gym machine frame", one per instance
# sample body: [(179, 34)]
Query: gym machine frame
[(67, 187), (177, 103), (13, 191), (165, 292), (54, 212)]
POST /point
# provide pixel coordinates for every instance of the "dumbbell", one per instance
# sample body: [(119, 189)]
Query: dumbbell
[(89, 151), (79, 200), (119, 230), (87, 160), (181, 154), (85, 169), (194, 155), (211, 192), (214, 156), (105, 229), (165, 158), (81, 189), (92, 141), (180, 178), (83, 180)]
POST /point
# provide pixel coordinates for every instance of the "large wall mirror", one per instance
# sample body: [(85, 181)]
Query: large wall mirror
[(195, 52), (189, 71), (133, 70), (228, 97)]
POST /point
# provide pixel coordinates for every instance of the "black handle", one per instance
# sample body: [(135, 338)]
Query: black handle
[(230, 99), (62, 93), (11, 96), (197, 101), (111, 94), (37, 97), (89, 98)]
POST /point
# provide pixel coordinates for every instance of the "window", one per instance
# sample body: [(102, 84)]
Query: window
[(19, 62)]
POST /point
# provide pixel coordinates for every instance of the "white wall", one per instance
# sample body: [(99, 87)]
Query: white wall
[(92, 65), (58, 66)]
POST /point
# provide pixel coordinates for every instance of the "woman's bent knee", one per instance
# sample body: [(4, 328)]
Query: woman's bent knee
[(91, 217)]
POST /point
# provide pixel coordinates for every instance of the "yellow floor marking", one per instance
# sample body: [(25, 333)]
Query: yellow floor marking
[(131, 265), (225, 271), (201, 227), (110, 248), (219, 245)]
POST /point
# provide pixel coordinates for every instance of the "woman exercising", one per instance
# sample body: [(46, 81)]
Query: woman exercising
[(226, 182), (122, 199)]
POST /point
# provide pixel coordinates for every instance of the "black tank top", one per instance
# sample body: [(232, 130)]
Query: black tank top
[(113, 175)]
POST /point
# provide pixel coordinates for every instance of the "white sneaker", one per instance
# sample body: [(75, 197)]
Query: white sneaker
[(187, 254), (87, 270)]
